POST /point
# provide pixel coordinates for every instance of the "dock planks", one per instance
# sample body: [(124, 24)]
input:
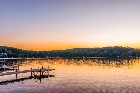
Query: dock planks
[(25, 71)]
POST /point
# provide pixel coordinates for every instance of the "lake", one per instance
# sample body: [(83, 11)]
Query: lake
[(77, 76)]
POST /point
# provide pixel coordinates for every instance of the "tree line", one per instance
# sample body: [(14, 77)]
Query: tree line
[(111, 52)]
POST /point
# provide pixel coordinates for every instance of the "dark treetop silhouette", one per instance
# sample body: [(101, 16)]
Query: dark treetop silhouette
[(112, 52)]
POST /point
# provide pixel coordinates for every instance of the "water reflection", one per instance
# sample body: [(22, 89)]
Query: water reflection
[(96, 62), (80, 76), (26, 78)]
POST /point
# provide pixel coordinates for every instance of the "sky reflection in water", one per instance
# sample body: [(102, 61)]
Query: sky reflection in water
[(79, 76)]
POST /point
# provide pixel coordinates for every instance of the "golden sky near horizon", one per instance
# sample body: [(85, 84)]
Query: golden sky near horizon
[(55, 25)]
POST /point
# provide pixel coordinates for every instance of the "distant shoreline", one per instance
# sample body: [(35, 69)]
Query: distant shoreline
[(68, 58), (105, 52)]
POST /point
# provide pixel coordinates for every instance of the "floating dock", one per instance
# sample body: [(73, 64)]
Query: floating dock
[(5, 67), (35, 73), (26, 71)]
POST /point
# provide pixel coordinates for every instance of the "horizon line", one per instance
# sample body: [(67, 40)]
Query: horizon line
[(68, 48)]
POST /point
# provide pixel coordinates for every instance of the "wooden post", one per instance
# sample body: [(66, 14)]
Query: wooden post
[(48, 71), (18, 67), (16, 73), (31, 73), (4, 66), (42, 70)]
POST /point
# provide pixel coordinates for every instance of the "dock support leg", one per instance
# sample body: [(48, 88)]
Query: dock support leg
[(31, 73), (18, 67), (48, 71), (42, 70), (16, 73)]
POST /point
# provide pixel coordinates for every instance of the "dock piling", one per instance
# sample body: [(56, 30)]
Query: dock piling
[(31, 72), (16, 73), (48, 71), (18, 67), (40, 73), (42, 70)]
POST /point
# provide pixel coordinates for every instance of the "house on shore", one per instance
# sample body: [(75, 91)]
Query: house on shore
[(3, 55)]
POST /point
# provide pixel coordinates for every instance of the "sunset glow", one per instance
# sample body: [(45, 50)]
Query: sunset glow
[(64, 24)]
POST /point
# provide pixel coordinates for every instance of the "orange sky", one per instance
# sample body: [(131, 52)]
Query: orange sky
[(58, 46)]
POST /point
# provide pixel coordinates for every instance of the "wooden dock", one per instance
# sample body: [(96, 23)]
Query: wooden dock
[(26, 71), (5, 67), (34, 73)]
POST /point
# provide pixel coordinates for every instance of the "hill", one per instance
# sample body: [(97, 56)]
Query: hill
[(116, 51)]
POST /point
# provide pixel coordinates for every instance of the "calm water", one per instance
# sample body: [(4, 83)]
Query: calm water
[(78, 76)]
